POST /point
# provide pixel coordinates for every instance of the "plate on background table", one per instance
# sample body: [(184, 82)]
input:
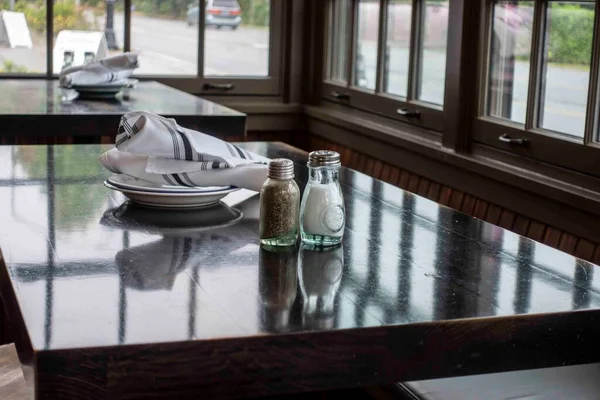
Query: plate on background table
[(105, 90)]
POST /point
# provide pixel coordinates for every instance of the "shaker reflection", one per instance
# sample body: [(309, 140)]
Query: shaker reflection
[(320, 274), (277, 285)]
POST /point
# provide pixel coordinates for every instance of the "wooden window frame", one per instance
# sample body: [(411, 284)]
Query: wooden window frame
[(270, 85), (541, 144), (377, 101)]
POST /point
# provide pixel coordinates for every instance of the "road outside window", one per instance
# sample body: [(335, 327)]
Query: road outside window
[(236, 38)]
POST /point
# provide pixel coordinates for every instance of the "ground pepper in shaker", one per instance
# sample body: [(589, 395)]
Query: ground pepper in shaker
[(279, 205), (322, 212)]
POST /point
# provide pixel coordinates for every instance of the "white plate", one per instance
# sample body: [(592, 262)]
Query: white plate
[(173, 200), (105, 87), (131, 183)]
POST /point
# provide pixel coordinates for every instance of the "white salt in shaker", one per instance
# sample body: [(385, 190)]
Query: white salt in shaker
[(322, 211)]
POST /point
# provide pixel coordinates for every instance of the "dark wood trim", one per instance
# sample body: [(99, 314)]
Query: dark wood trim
[(127, 26), (49, 38), (460, 96), (571, 208), (378, 356)]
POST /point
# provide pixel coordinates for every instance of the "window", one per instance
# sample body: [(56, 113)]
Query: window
[(539, 100), (389, 57), (206, 46), (28, 54), (520, 76)]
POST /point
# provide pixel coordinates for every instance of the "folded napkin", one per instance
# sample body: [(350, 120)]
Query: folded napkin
[(156, 149), (115, 69)]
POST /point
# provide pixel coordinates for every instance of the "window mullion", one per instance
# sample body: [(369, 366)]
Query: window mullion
[(351, 42), (591, 121), (127, 27), (201, 26), (49, 38), (534, 96), (415, 49), (381, 47)]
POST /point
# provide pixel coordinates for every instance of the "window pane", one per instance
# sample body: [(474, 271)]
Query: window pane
[(22, 56), (165, 34), (83, 33), (433, 52), (236, 39), (339, 39), (510, 60), (365, 62), (397, 47), (566, 67)]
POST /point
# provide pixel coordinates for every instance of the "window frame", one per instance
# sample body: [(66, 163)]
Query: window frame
[(270, 85), (431, 116), (541, 144)]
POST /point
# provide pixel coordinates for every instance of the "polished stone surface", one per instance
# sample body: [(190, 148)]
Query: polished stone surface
[(39, 107), (39, 96), (89, 269)]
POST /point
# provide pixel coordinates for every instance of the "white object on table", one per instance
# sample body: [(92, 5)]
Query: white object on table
[(156, 149), (110, 70)]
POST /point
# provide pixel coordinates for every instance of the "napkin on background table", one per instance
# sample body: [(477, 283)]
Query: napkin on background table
[(109, 70), (156, 149)]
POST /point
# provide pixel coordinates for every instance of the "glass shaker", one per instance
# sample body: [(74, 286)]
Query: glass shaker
[(279, 205), (322, 212)]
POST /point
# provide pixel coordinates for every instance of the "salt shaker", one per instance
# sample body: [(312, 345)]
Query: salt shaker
[(322, 212), (279, 205)]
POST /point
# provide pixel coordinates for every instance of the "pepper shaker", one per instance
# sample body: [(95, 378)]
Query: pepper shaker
[(322, 212), (279, 205)]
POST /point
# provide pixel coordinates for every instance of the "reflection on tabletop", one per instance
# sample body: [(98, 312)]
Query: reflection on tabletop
[(317, 272)]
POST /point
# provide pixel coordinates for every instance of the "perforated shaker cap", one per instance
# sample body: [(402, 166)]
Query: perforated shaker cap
[(281, 168), (324, 158)]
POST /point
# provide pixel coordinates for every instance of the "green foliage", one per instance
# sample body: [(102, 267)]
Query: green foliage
[(169, 8), (10, 66), (66, 14), (570, 34), (255, 12)]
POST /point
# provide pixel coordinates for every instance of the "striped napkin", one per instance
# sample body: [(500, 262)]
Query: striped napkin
[(156, 149), (111, 70)]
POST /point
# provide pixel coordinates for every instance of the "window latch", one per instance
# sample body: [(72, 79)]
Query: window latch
[(340, 95), (405, 112), (507, 139), (218, 86)]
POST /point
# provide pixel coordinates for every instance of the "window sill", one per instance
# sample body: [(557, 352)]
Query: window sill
[(511, 181)]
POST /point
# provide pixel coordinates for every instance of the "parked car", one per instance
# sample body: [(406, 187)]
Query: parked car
[(218, 13)]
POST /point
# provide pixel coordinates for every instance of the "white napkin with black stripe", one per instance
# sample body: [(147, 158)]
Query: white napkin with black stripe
[(111, 70), (156, 149)]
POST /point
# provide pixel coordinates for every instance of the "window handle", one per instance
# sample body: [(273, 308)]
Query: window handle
[(340, 95), (218, 86), (405, 112), (507, 139)]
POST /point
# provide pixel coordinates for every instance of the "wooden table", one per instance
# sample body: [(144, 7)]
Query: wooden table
[(37, 107), (110, 301)]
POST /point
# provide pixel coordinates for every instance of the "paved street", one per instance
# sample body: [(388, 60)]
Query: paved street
[(169, 47)]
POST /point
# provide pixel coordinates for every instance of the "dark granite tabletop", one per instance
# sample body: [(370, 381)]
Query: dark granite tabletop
[(109, 300), (38, 106)]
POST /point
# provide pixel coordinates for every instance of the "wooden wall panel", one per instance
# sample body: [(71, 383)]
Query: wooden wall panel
[(436, 191)]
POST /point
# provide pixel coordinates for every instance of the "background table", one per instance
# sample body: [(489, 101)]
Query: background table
[(111, 301), (34, 108)]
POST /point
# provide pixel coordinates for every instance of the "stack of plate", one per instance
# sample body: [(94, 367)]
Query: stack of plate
[(103, 91), (164, 196)]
